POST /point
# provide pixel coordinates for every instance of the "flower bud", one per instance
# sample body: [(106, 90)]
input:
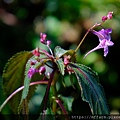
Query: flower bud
[(32, 62), (36, 52), (48, 42), (43, 38), (66, 59), (31, 72), (42, 70), (104, 18), (109, 15)]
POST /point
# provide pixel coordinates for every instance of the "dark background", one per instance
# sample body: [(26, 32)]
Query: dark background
[(65, 22)]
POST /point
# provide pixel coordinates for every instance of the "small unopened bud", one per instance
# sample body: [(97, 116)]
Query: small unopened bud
[(36, 52), (48, 42), (42, 70), (43, 35), (32, 62), (31, 72), (104, 18), (66, 59), (43, 38), (109, 15)]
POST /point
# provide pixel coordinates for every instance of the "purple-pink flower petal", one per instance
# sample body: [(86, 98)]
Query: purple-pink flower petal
[(96, 48), (31, 72), (100, 36), (109, 43), (104, 40), (105, 51), (110, 15)]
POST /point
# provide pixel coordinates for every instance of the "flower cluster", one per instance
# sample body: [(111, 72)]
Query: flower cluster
[(36, 53), (66, 59), (104, 42), (43, 39), (32, 71), (104, 37), (109, 16)]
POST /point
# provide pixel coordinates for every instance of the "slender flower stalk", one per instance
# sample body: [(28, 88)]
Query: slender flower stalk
[(50, 50), (95, 25), (82, 41), (19, 89)]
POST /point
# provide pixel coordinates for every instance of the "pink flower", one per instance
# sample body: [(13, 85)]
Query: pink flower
[(43, 38), (32, 62), (36, 52), (42, 70), (104, 18), (104, 40), (31, 72), (109, 15), (48, 42), (66, 60)]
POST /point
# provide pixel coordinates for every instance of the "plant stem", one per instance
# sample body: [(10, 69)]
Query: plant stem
[(47, 91), (63, 108), (95, 25), (82, 41), (50, 50), (19, 89), (54, 91), (46, 53)]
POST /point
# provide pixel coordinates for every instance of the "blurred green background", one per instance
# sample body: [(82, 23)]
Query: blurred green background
[(65, 23)]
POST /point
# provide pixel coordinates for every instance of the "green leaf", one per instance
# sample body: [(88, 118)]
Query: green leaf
[(25, 109), (27, 80), (91, 90), (61, 66), (59, 52), (68, 102), (48, 113), (13, 76)]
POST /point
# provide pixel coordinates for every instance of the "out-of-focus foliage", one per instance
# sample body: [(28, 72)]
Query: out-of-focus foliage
[(65, 22)]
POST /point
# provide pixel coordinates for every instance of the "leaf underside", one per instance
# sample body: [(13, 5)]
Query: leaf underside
[(91, 90)]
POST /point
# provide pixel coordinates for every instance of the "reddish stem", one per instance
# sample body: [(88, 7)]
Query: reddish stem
[(47, 91), (62, 107), (19, 89)]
